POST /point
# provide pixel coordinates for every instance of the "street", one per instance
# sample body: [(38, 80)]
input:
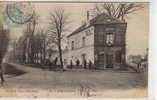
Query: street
[(96, 80)]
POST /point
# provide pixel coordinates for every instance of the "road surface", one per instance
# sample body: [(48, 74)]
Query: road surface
[(36, 78)]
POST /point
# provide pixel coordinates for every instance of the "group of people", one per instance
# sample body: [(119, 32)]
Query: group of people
[(73, 64), (85, 64)]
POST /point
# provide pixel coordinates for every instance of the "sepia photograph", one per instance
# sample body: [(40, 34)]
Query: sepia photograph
[(74, 49)]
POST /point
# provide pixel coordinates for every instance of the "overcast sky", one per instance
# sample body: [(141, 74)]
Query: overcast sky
[(137, 30)]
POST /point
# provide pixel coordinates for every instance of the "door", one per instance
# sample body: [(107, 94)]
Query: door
[(109, 61), (101, 60), (83, 57)]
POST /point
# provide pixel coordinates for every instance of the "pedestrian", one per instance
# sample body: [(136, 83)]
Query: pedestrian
[(77, 62), (139, 67), (71, 64), (90, 64), (55, 61), (84, 63), (65, 64), (1, 75)]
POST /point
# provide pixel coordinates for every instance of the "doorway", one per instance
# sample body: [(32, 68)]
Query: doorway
[(109, 61), (101, 60)]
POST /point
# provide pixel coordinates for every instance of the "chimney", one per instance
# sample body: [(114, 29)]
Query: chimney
[(90, 14), (87, 15)]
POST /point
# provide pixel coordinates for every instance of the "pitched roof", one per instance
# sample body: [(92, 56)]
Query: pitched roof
[(104, 19), (100, 19)]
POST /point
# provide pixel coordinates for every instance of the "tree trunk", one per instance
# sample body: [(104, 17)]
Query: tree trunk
[(60, 53), (44, 51)]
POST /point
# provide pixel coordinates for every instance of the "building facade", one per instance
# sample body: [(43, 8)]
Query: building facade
[(101, 40)]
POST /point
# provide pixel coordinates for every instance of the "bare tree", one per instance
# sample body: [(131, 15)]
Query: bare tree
[(26, 44), (30, 30), (58, 22), (40, 44), (4, 40), (118, 10)]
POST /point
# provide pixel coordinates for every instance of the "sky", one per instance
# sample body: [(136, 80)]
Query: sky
[(137, 23)]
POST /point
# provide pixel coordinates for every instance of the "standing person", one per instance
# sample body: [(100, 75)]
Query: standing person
[(55, 61), (77, 62), (65, 64), (90, 64), (1, 75), (139, 67), (84, 63), (71, 64)]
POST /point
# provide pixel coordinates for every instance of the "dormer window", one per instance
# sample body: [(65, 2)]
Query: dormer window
[(72, 45), (83, 42), (109, 39)]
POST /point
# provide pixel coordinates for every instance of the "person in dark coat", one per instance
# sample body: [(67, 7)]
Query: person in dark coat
[(90, 65), (71, 64), (84, 64), (55, 61), (77, 62)]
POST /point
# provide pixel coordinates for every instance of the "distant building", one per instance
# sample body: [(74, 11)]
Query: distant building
[(101, 40)]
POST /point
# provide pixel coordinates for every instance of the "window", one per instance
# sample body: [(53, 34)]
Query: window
[(118, 56), (72, 45), (109, 39), (83, 41), (83, 57)]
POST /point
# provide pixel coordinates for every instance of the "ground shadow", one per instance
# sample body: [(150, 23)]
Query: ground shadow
[(12, 71)]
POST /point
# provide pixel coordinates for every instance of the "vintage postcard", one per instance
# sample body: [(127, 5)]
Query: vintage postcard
[(74, 49)]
